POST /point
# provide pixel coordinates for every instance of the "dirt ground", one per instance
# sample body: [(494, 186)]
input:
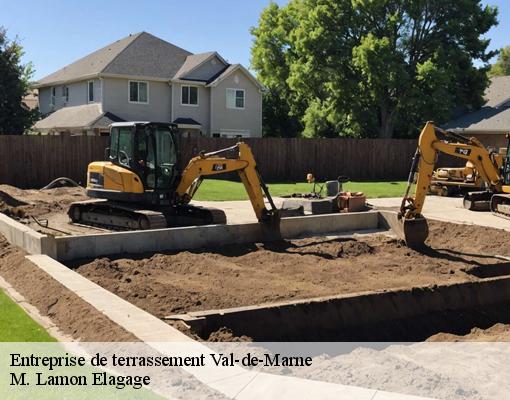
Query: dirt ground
[(45, 205), (72, 315), (232, 276)]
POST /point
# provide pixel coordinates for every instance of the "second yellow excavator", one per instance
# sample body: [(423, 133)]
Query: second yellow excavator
[(493, 167), (141, 186)]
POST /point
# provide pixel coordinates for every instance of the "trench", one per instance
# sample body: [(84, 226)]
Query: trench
[(407, 315)]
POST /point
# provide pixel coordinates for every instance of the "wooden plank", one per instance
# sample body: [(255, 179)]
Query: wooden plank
[(33, 161)]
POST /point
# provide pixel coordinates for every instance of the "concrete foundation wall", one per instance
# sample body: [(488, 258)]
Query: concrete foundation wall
[(66, 248), (319, 317), (22, 236), (97, 245)]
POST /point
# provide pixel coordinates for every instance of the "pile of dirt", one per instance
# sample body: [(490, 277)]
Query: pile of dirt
[(239, 275), (40, 203), (49, 207), (72, 315)]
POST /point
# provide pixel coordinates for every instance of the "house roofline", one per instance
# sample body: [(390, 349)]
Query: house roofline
[(213, 54), (188, 82), (476, 131), (255, 81), (99, 75)]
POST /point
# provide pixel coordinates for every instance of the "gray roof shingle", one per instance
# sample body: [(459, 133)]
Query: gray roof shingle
[(140, 54), (493, 116), (77, 117), (498, 91), (150, 56), (192, 61)]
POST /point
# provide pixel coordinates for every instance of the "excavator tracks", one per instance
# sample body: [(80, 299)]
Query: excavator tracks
[(122, 217), (500, 205)]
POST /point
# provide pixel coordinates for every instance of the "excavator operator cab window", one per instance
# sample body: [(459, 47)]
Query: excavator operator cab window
[(148, 150), (166, 157), (121, 146)]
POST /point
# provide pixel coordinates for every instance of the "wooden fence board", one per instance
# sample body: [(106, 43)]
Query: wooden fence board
[(33, 161)]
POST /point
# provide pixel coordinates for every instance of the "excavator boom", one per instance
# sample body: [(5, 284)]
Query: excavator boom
[(244, 164)]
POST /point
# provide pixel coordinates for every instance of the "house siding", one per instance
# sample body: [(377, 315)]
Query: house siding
[(200, 113), (115, 100), (45, 100), (78, 95), (247, 119)]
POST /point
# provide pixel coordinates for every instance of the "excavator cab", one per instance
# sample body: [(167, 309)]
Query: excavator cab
[(149, 150), (142, 164)]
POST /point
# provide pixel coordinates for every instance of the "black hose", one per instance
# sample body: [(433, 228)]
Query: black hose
[(67, 181)]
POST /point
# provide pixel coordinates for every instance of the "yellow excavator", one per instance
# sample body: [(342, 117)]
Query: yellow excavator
[(141, 186), (493, 167)]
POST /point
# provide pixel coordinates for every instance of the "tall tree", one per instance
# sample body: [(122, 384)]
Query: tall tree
[(15, 117), (373, 67), (502, 66)]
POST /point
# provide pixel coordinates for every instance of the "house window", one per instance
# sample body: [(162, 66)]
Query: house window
[(65, 93), (53, 93), (90, 90), (189, 95), (138, 92), (235, 98)]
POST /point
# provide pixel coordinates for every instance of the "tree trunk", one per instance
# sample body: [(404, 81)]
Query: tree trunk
[(386, 127)]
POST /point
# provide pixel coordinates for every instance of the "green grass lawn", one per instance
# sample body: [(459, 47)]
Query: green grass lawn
[(219, 190), (17, 326)]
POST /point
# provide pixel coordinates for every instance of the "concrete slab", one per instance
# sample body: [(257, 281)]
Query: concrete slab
[(448, 209)]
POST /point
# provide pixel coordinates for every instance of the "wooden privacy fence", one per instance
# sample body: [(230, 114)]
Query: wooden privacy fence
[(34, 161)]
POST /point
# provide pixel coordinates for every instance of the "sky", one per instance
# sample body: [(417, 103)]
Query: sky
[(55, 33)]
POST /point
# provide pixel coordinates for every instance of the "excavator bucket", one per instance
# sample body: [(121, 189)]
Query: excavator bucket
[(413, 232)]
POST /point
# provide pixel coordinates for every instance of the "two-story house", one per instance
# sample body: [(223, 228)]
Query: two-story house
[(144, 78)]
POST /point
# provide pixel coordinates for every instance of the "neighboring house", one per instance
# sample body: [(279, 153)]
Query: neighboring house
[(30, 100), (490, 123), (144, 78)]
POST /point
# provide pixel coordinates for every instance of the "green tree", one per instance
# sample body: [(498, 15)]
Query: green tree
[(15, 117), (502, 66), (373, 67)]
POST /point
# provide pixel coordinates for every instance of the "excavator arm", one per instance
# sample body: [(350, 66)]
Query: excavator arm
[(414, 227), (244, 164), (429, 145)]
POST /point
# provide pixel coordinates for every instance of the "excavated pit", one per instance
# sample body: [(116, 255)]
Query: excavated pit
[(450, 284)]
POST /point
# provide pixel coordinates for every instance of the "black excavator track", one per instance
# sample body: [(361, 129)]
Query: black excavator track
[(121, 216), (477, 201), (500, 205)]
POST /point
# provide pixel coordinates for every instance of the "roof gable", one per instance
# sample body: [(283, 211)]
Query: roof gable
[(201, 67), (148, 55), (91, 64), (231, 69), (141, 54)]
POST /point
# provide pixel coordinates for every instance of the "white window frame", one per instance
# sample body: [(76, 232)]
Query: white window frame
[(129, 88), (88, 92), (235, 95), (198, 96), (53, 92)]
